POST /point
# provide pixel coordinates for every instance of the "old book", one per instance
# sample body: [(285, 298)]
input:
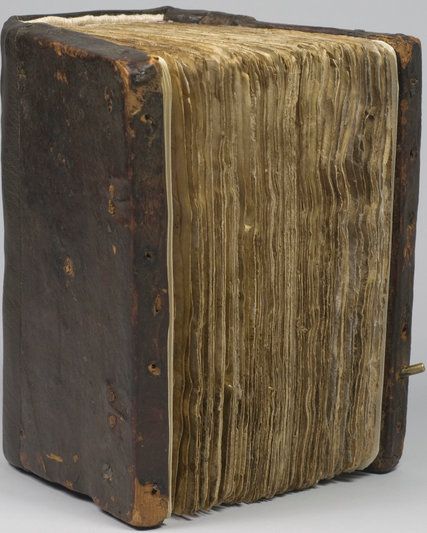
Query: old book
[(210, 229)]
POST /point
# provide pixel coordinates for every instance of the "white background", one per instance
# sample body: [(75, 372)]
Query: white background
[(396, 502)]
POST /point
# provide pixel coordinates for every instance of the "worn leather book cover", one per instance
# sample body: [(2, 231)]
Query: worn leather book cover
[(209, 254)]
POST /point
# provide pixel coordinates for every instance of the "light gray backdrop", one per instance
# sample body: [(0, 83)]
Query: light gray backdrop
[(391, 503)]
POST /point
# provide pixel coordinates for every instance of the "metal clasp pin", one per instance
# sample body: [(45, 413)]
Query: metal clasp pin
[(411, 370)]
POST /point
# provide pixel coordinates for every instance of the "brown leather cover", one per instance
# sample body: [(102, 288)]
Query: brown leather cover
[(85, 290)]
